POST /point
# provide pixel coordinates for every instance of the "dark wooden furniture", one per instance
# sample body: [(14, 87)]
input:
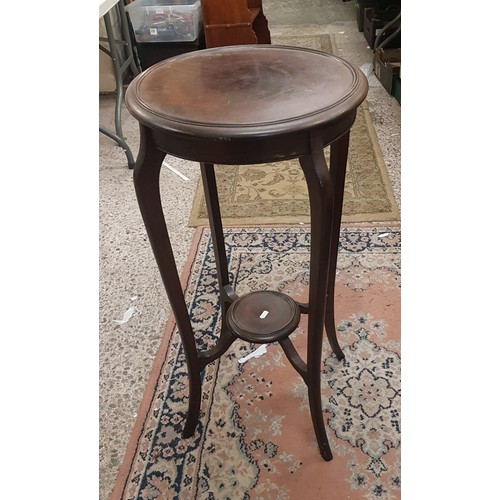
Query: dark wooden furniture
[(248, 105), (234, 22)]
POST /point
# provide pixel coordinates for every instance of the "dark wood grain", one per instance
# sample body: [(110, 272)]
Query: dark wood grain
[(241, 105)]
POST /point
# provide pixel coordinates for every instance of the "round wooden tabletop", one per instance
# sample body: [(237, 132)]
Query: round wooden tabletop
[(244, 90)]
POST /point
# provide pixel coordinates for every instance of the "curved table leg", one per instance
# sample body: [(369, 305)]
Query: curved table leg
[(121, 143), (127, 41), (120, 63), (118, 68), (319, 185), (118, 73), (146, 181), (338, 163), (217, 232), (226, 292)]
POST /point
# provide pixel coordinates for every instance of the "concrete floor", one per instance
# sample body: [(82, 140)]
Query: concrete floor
[(128, 273)]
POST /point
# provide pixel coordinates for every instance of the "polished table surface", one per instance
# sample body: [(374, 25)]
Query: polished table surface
[(249, 105), (246, 91), (271, 85)]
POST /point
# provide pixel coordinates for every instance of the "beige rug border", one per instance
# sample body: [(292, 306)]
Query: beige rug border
[(392, 215), (152, 382)]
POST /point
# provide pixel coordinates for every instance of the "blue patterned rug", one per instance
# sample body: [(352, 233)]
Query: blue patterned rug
[(255, 437)]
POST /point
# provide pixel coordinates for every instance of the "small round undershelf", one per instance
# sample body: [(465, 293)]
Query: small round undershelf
[(263, 317)]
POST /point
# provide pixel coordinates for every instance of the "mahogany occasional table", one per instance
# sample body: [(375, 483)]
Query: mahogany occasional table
[(251, 104)]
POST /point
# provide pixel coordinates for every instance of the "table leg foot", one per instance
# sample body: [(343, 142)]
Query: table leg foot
[(194, 405), (121, 142), (318, 423), (331, 333)]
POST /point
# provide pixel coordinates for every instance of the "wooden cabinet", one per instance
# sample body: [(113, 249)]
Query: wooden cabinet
[(234, 22)]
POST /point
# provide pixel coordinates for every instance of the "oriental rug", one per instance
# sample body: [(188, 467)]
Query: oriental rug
[(276, 193), (255, 438)]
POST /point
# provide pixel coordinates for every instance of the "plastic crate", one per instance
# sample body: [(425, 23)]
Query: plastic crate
[(165, 20)]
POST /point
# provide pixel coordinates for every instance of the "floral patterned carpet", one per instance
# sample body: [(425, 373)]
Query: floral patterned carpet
[(255, 438)]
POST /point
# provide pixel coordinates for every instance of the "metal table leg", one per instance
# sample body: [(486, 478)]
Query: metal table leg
[(121, 143), (120, 65)]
